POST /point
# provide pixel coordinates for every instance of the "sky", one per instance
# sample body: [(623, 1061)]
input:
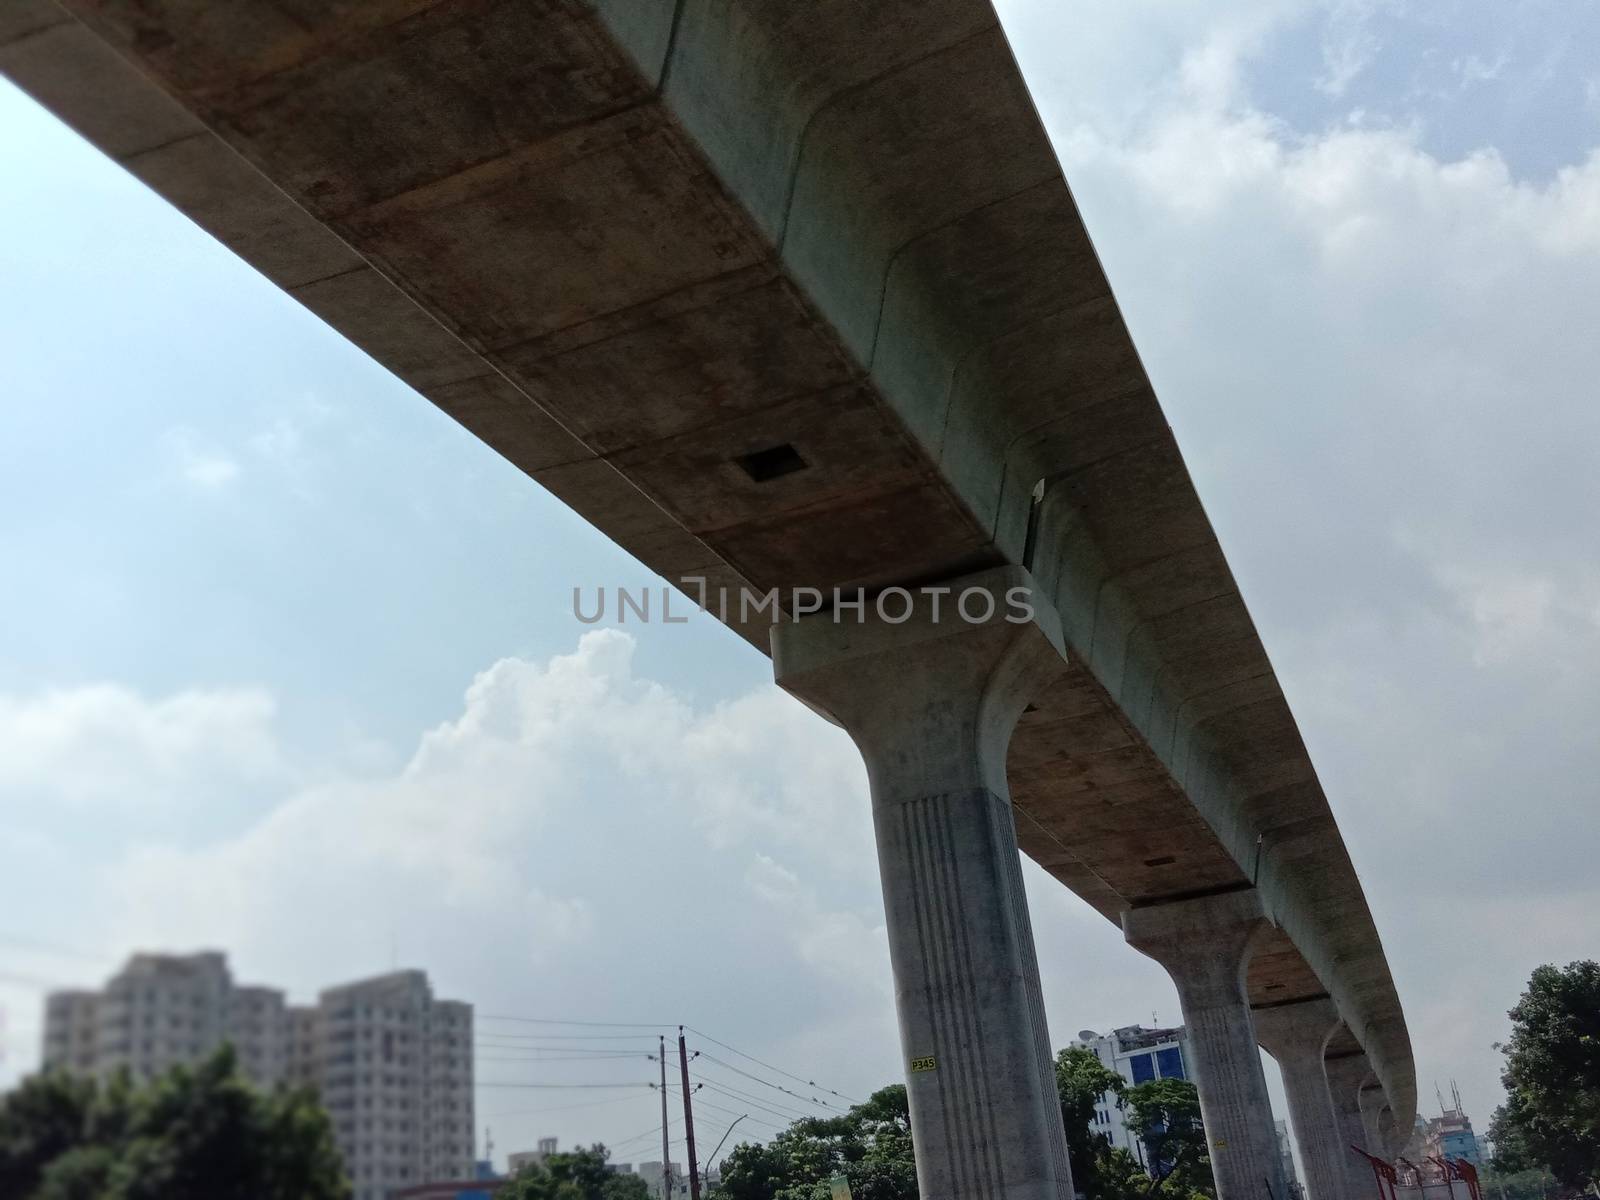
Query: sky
[(288, 665)]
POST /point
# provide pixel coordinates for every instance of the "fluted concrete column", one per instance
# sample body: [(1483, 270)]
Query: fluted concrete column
[(1345, 1073), (1205, 945), (1394, 1137), (1296, 1034), (931, 703), (1373, 1101)]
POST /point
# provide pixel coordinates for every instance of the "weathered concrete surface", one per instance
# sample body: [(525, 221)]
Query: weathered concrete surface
[(1345, 1073), (1372, 1104), (630, 244), (1206, 945), (931, 704), (1297, 1035)]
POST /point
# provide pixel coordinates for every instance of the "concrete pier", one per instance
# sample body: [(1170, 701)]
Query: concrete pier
[(1372, 1103), (1296, 1035), (931, 703), (1205, 945), (1345, 1074)]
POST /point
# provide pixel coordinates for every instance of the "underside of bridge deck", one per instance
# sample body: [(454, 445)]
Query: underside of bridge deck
[(775, 294)]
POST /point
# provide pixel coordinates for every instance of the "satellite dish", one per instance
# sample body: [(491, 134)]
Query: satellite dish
[(1087, 1035)]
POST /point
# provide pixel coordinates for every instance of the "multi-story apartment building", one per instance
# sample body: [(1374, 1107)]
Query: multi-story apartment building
[(393, 1065), (397, 1080)]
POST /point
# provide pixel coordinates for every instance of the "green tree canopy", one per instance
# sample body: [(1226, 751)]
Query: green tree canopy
[(1552, 1077), (1081, 1081), (193, 1134), (1164, 1114), (579, 1174), (1535, 1184), (870, 1145)]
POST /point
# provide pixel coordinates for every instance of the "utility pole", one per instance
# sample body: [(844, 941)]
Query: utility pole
[(688, 1117), (666, 1161)]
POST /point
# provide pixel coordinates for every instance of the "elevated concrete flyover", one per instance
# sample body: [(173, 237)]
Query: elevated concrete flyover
[(779, 293)]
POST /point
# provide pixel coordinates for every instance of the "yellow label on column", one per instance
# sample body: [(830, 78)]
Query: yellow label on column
[(840, 1187), (926, 1063)]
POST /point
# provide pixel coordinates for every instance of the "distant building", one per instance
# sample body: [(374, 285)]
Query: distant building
[(1138, 1055), (161, 1010), (483, 1185), (527, 1158), (392, 1065), (1286, 1157), (1449, 1135), (651, 1173)]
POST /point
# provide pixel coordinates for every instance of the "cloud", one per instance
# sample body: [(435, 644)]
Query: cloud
[(1348, 45), (197, 464), (1380, 365), (105, 746), (576, 841)]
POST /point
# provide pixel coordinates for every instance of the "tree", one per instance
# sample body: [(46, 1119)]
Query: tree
[(579, 1174), (1535, 1184), (624, 1187), (41, 1120), (870, 1145), (1082, 1080), (200, 1134), (1164, 1114), (1552, 1077)]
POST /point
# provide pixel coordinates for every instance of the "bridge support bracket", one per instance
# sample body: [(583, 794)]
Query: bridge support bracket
[(1205, 944), (1297, 1035), (931, 702)]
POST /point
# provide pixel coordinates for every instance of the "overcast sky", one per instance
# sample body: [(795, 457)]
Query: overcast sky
[(288, 667)]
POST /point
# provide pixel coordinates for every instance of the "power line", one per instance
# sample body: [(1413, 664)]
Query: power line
[(565, 1052), (55, 948), (542, 1059), (651, 1132), (788, 1116), (513, 1084), (767, 1083), (778, 1107), (747, 1116), (567, 1037), (770, 1067), (578, 1051), (530, 1112), (32, 981), (590, 1024)]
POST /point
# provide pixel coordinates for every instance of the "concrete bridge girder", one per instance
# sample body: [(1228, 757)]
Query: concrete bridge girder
[(631, 246)]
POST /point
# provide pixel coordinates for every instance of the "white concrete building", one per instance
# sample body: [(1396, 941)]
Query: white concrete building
[(161, 1010), (1138, 1055), (397, 1079), (651, 1172), (519, 1159), (392, 1065)]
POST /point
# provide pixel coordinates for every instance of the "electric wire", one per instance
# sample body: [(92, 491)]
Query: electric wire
[(589, 1024), (769, 1066), (531, 1112), (775, 1086), (788, 1116), (728, 1089)]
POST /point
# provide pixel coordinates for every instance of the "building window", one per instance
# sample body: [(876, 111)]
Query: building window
[(1143, 1068), (1170, 1060)]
